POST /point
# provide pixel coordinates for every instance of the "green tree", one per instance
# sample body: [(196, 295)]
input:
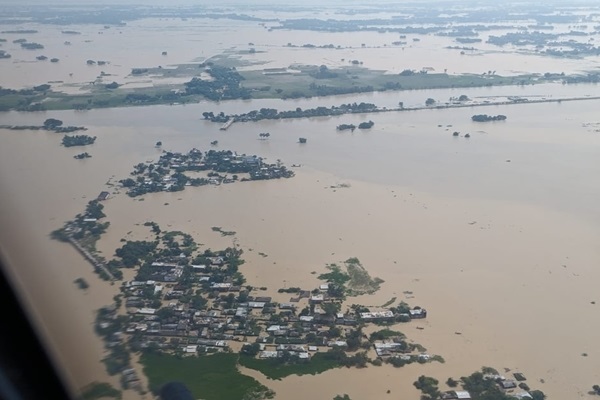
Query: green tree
[(52, 123), (342, 397), (165, 313), (537, 395), (331, 308), (428, 385), (451, 383), (251, 349)]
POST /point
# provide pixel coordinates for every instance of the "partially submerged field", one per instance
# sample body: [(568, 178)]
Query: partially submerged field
[(214, 377), (298, 81)]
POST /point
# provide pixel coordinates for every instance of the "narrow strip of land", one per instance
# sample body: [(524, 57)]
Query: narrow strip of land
[(364, 108), (90, 257)]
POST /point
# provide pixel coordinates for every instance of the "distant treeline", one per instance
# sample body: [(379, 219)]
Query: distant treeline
[(272, 113), (486, 118)]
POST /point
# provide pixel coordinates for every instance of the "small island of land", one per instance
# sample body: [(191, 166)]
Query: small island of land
[(487, 118), (212, 167), (78, 140), (81, 156)]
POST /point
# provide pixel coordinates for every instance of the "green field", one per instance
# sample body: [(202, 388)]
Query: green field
[(214, 377), (353, 79), (305, 82), (272, 369)]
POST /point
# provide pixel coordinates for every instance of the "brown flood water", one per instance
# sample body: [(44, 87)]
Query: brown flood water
[(505, 253), (502, 252), (196, 40)]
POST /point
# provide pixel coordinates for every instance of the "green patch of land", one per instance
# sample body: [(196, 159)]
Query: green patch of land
[(214, 377), (218, 79), (222, 232), (275, 369), (360, 281), (354, 280), (356, 79)]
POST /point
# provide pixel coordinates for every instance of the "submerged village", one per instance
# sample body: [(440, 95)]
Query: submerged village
[(187, 302)]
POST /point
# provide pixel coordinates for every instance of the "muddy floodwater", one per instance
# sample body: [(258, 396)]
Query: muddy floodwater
[(496, 234)]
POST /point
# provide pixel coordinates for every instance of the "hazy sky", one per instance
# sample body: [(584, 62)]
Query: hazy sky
[(292, 3)]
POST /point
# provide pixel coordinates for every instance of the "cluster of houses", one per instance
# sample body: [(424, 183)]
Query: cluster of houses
[(168, 173), (161, 315), (515, 388)]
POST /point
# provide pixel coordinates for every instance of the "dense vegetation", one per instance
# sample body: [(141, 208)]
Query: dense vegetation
[(78, 140), (213, 377), (225, 84), (487, 118), (81, 156), (366, 125), (272, 113)]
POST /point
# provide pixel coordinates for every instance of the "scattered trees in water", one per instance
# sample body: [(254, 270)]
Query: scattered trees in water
[(81, 156), (429, 102), (352, 127), (78, 140), (113, 85), (366, 125), (340, 397), (52, 123), (344, 127), (81, 283), (272, 113), (486, 118), (468, 40), (31, 46), (21, 31)]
